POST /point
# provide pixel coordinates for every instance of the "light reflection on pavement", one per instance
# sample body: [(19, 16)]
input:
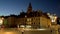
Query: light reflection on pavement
[(26, 31), (9, 31)]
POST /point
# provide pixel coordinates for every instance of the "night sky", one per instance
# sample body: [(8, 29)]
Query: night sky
[(8, 7)]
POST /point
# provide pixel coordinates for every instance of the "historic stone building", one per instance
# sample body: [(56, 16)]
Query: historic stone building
[(10, 21), (36, 19)]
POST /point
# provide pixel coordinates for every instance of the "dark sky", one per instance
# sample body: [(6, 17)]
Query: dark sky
[(8, 7)]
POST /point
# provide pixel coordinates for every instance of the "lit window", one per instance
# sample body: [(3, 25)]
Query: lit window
[(28, 19)]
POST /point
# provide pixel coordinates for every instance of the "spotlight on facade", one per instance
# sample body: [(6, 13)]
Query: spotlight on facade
[(22, 26), (53, 18), (1, 21), (28, 26), (48, 14), (42, 29)]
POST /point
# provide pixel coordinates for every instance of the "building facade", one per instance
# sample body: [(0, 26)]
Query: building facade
[(36, 19)]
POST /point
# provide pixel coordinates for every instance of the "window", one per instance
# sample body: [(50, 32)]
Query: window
[(39, 22), (34, 23), (29, 19)]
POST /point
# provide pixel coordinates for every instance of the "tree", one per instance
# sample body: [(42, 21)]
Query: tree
[(5, 23)]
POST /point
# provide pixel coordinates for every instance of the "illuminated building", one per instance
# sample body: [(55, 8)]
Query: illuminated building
[(33, 19), (36, 19)]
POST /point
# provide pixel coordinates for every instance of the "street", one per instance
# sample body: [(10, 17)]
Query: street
[(16, 31)]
